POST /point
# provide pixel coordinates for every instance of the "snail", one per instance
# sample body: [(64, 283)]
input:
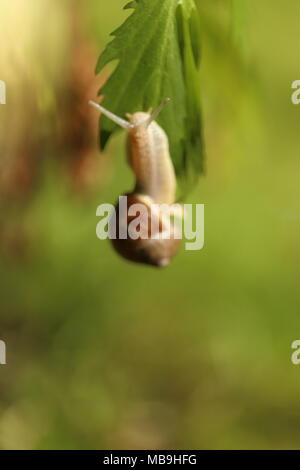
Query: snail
[(155, 189)]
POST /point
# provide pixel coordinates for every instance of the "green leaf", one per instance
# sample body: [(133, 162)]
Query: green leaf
[(157, 49), (130, 5)]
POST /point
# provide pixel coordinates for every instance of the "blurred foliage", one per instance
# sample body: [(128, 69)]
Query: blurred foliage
[(104, 354)]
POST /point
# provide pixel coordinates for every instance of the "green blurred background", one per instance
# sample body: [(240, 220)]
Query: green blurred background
[(105, 354)]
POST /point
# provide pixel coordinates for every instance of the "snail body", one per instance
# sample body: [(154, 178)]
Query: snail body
[(149, 157)]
